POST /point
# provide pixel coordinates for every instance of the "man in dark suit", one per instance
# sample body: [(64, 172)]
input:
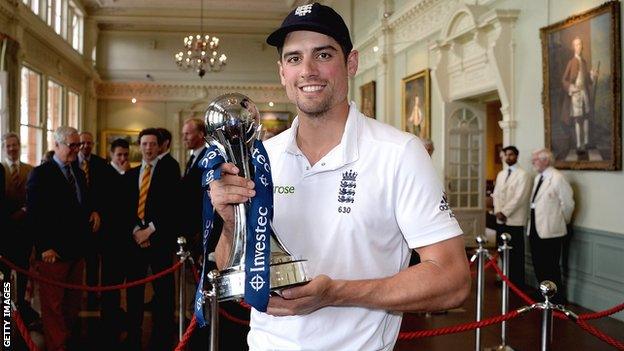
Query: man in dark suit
[(98, 174), (61, 218), (154, 186), (165, 153), (17, 173)]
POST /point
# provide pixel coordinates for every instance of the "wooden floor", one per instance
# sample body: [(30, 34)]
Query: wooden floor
[(523, 333)]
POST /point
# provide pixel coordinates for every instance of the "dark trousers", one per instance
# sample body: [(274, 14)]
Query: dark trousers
[(546, 256), (516, 254), (114, 266), (163, 303), (59, 306)]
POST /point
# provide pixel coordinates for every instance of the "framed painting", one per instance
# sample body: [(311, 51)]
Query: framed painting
[(367, 99), (131, 136), (581, 94), (416, 104), (274, 122)]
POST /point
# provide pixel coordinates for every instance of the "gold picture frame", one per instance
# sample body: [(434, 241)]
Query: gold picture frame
[(274, 122), (416, 104), (582, 117), (367, 99), (131, 136)]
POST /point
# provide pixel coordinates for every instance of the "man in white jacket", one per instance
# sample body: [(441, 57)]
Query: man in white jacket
[(551, 209), (511, 192)]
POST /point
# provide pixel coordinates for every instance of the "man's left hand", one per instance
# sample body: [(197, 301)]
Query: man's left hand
[(94, 220), (303, 299), (501, 217)]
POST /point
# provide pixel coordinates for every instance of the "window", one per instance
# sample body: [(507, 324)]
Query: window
[(75, 25), (31, 129), (55, 109), (73, 109), (54, 15), (464, 160)]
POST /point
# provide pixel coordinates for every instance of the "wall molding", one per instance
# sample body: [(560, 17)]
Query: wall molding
[(592, 269), (187, 92)]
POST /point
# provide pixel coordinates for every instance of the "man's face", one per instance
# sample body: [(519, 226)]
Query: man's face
[(191, 137), (578, 46), (87, 144), (119, 156), (67, 151), (539, 164), (149, 147), (313, 71), (12, 149), (510, 158)]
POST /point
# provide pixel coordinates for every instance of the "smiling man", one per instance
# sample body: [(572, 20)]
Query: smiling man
[(366, 194)]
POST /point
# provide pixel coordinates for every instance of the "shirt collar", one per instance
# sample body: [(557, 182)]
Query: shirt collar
[(117, 168), (11, 163), (547, 172), (343, 153), (197, 152), (82, 158), (59, 162), (162, 155), (152, 163), (513, 167)]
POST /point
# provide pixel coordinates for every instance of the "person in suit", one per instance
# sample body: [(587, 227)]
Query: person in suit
[(551, 206), (119, 152), (57, 192), (510, 195), (165, 152), (15, 187), (97, 174), (153, 188)]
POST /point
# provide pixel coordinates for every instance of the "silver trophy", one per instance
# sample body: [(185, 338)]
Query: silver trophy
[(233, 126)]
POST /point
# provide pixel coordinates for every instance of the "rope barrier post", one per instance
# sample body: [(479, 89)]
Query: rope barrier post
[(213, 302), (548, 289), (481, 253), (504, 250), (183, 255)]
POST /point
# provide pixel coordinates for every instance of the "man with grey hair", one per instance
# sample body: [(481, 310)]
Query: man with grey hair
[(551, 205), (57, 193), (15, 206)]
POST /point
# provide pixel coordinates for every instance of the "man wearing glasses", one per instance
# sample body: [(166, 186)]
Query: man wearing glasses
[(56, 193)]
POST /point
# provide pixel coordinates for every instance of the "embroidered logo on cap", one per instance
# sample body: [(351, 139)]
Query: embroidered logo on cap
[(303, 10)]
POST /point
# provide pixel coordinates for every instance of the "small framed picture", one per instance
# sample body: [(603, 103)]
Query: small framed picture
[(131, 136), (367, 95), (416, 109), (274, 122)]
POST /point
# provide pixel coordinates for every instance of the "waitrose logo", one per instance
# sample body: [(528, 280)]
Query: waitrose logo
[(283, 189)]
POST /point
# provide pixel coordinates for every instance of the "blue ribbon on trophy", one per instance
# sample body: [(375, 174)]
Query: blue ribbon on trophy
[(258, 248)]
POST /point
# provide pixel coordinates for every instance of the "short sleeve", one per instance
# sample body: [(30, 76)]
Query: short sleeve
[(422, 210)]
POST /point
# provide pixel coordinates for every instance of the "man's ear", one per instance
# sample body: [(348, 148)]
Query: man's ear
[(352, 62)]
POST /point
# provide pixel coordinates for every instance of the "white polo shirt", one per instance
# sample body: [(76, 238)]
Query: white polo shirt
[(355, 214)]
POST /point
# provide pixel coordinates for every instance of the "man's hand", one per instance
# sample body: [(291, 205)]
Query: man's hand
[(49, 256), (141, 235), (501, 217), (145, 244), (302, 299), (230, 189), (94, 220)]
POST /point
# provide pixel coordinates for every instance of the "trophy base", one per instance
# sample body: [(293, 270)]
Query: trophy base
[(285, 273)]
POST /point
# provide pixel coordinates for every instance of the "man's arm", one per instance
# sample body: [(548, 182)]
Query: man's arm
[(566, 198), (519, 195), (440, 281)]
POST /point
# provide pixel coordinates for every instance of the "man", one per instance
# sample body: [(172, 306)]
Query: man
[(153, 188), (15, 206), (551, 210), (578, 80), (165, 153), (119, 152), (358, 245), (97, 174), (61, 217), (510, 195)]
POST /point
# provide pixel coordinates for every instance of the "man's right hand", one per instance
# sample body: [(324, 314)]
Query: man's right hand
[(231, 189), (49, 256)]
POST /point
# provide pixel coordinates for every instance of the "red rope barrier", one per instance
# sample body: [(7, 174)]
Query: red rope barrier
[(458, 328), (187, 335), (600, 335), (38, 277), (511, 285), (24, 331), (596, 315)]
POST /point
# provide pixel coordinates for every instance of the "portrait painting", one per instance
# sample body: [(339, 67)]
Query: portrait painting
[(367, 99), (581, 94), (416, 117), (274, 122), (131, 136)]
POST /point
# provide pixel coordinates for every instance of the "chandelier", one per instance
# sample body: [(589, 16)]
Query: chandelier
[(201, 52)]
